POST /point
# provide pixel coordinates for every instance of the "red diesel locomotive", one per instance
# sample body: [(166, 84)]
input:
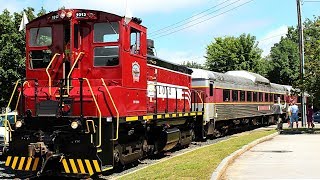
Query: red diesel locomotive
[(96, 97), (93, 97)]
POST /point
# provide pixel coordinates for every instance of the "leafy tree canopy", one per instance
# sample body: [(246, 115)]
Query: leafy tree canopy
[(12, 51), (233, 53)]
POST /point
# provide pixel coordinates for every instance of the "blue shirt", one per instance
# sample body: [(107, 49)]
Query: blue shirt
[(294, 109)]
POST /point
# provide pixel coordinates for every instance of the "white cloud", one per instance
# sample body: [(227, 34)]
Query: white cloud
[(272, 37)]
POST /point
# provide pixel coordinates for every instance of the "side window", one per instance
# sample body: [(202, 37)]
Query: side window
[(226, 95), (134, 41), (266, 97), (106, 56), (211, 89), (39, 58), (271, 97), (235, 95), (249, 96), (255, 96), (40, 36), (242, 96), (106, 32), (260, 96)]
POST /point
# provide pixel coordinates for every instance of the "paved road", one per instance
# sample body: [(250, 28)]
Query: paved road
[(283, 157)]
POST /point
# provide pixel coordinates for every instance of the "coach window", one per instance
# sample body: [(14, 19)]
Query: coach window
[(260, 97), (276, 97), (255, 96), (242, 96), (282, 97), (226, 95), (235, 95), (271, 97), (135, 41), (211, 89), (266, 97), (249, 96)]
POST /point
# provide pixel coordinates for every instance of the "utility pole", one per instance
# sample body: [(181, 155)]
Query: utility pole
[(301, 51)]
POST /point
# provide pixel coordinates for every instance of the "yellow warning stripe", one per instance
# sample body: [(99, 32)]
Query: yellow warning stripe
[(18, 163), (88, 166), (73, 166), (132, 118), (83, 166), (65, 166), (35, 164), (8, 161), (147, 117), (21, 163), (28, 164), (15, 160), (96, 165)]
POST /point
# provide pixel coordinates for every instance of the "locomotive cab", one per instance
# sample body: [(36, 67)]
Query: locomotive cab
[(66, 45)]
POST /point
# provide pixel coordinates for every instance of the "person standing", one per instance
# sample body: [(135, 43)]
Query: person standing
[(294, 114), (309, 116), (289, 115)]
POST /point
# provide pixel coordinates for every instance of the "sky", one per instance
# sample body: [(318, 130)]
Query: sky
[(182, 29)]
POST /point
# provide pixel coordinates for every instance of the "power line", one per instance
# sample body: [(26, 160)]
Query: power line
[(188, 17), (204, 20), (181, 25), (272, 37), (311, 1)]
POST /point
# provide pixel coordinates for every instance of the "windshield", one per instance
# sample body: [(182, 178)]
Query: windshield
[(106, 32), (2, 118), (40, 36)]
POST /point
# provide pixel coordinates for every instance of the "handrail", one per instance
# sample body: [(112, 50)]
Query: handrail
[(6, 116), (115, 107), (95, 101), (199, 96), (55, 55), (74, 64), (15, 116)]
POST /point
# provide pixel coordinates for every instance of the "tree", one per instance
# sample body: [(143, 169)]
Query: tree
[(285, 62), (12, 52), (192, 64), (233, 53)]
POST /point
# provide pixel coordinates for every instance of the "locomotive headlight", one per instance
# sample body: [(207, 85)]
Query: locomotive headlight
[(69, 14), (62, 14), (18, 124), (75, 124)]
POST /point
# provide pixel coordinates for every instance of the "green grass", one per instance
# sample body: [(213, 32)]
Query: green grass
[(198, 164)]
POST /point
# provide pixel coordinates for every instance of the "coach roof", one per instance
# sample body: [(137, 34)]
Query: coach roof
[(256, 78)]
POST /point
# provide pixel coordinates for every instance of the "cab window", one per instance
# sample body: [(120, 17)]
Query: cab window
[(106, 32), (39, 58), (106, 56), (134, 41), (40, 36)]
